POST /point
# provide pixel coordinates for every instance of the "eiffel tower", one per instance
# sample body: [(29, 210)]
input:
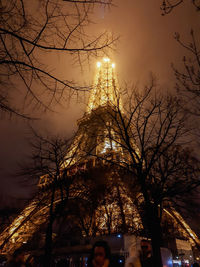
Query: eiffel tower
[(93, 139)]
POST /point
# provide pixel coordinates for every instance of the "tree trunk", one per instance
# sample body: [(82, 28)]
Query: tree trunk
[(150, 215), (155, 242), (155, 232)]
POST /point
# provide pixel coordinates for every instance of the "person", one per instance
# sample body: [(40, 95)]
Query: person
[(100, 255), (134, 257), (145, 255), (17, 259)]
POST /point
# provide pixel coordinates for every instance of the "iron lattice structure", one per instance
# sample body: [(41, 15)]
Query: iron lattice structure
[(86, 155)]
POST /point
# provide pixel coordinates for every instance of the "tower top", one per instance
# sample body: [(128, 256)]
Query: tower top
[(105, 90)]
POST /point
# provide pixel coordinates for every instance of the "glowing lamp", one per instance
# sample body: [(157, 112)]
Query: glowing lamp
[(98, 64), (113, 65), (106, 59)]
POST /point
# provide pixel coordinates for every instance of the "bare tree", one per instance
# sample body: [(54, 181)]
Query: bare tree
[(29, 33), (188, 81), (46, 163), (150, 136), (187, 75)]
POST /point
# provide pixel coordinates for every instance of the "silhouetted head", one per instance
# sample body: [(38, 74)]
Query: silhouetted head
[(100, 253), (145, 248)]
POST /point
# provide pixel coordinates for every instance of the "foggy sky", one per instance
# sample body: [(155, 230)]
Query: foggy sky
[(146, 45)]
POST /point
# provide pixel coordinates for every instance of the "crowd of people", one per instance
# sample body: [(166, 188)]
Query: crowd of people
[(100, 257)]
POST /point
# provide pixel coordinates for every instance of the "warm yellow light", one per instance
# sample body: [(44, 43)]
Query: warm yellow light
[(113, 65), (106, 59), (98, 64)]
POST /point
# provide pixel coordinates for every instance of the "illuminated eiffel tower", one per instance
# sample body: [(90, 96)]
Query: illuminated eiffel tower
[(95, 137)]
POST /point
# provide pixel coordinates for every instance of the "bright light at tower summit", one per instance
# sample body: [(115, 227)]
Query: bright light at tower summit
[(105, 60)]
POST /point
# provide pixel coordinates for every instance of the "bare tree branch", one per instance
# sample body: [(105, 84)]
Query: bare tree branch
[(29, 32), (168, 6)]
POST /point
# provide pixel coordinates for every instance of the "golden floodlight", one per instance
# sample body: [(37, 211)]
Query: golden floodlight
[(106, 59), (98, 64)]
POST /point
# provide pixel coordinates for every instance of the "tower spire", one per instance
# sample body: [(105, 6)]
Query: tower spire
[(105, 90)]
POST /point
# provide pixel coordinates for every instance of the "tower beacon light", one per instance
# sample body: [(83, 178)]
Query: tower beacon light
[(105, 60)]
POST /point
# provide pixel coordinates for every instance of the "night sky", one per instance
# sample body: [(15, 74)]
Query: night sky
[(146, 45)]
